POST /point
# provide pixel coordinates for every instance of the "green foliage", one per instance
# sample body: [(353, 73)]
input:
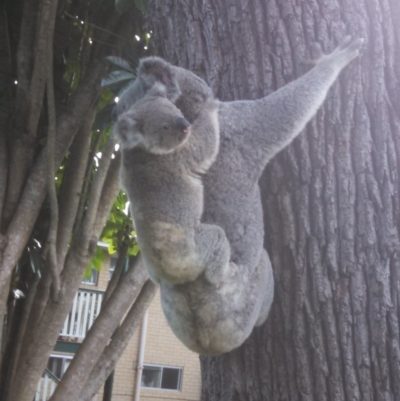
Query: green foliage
[(120, 62), (117, 79), (96, 262), (119, 229)]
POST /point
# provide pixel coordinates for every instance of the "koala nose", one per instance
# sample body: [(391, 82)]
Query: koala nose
[(183, 123)]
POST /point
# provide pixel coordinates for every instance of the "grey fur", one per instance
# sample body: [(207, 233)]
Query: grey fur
[(161, 166), (206, 318)]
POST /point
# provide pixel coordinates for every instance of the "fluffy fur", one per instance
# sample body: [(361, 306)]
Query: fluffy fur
[(163, 158), (206, 318)]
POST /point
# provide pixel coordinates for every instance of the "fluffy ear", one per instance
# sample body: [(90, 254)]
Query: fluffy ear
[(155, 69), (127, 131)]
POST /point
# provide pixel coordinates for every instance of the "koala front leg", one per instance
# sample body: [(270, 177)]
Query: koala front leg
[(183, 259), (268, 125)]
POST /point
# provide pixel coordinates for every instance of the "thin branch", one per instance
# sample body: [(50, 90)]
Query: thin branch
[(97, 27), (85, 189), (42, 55), (110, 192), (100, 333), (26, 47), (115, 278), (97, 187), (51, 258), (12, 363), (111, 354), (71, 189), (3, 173)]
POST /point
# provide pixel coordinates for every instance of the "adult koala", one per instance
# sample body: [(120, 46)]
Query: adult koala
[(212, 320)]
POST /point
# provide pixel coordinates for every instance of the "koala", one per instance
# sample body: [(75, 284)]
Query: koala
[(154, 71), (163, 158), (209, 319)]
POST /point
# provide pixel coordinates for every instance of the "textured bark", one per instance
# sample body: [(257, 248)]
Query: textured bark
[(331, 200)]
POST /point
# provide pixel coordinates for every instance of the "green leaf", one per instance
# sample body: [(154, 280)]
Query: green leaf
[(116, 78), (112, 248), (88, 271), (120, 62), (134, 250)]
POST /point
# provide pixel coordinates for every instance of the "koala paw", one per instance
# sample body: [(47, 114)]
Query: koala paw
[(347, 50)]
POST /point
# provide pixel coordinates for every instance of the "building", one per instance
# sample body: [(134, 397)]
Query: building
[(170, 371)]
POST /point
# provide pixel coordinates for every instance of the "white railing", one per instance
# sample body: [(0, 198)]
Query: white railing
[(85, 309), (45, 387)]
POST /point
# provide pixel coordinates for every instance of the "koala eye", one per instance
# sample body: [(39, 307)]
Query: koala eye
[(166, 127)]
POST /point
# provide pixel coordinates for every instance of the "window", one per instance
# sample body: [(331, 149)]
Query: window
[(92, 280), (161, 377), (58, 364), (113, 262)]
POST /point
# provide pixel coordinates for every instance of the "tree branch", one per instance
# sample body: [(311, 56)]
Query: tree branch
[(85, 188), (71, 189), (97, 188), (111, 354), (12, 363), (118, 272), (20, 227), (37, 348), (100, 333), (51, 257), (3, 176), (110, 191), (29, 106)]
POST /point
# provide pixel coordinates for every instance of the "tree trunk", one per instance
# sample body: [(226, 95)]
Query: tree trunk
[(331, 200)]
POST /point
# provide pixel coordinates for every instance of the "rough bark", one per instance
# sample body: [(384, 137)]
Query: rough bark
[(331, 200)]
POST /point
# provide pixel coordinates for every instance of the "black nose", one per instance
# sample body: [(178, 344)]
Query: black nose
[(182, 123)]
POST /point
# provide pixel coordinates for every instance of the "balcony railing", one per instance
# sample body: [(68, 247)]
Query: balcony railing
[(85, 309), (46, 386)]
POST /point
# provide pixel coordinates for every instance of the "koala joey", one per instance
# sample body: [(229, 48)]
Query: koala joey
[(186, 90), (163, 157), (209, 319)]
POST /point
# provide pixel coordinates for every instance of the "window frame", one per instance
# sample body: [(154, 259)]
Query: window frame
[(64, 358), (94, 273), (151, 365)]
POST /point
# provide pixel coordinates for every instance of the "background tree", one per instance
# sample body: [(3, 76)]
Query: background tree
[(58, 183), (331, 200)]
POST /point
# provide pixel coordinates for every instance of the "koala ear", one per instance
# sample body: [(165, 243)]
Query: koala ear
[(127, 130), (153, 69)]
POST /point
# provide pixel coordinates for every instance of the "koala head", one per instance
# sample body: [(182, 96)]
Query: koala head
[(154, 124)]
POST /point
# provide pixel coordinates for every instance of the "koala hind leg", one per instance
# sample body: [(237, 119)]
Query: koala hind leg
[(214, 248)]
